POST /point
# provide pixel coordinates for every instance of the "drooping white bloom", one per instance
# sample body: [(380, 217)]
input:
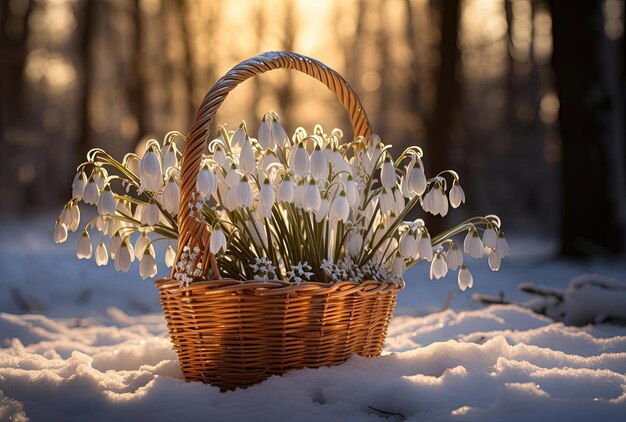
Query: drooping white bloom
[(355, 243), (424, 244), (299, 193), (465, 278), (435, 200), (125, 256), (141, 244), (490, 236), (65, 216), (438, 266), (340, 208), (454, 256), (408, 244), (494, 261), (99, 177), (399, 201), (374, 150), (150, 173), (147, 264), (102, 257), (387, 201), (238, 138), (170, 158), (101, 224), (388, 174), (323, 210), (266, 140), (351, 190), (243, 194), (286, 190), (171, 197), (312, 198), (279, 135), (218, 241), (247, 162), (133, 163), (416, 178), (502, 246), (91, 192), (219, 156), (78, 185), (299, 159), (74, 217), (107, 203), (398, 267), (319, 164), (472, 244), (267, 198), (83, 250), (170, 255), (150, 214), (60, 232), (115, 244), (206, 182), (457, 196)]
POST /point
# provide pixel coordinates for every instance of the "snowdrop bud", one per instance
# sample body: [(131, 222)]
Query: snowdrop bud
[(399, 201), (107, 203), (60, 232), (398, 267), (267, 197), (323, 210), (83, 250), (457, 196), (74, 217), (243, 194), (472, 244), (416, 178), (388, 174), (246, 157), (312, 197), (286, 190), (78, 185), (265, 134), (424, 245), (150, 214), (408, 244), (438, 266), (147, 265), (279, 135), (169, 156), (490, 236), (238, 138), (115, 244), (340, 208), (319, 164), (465, 278), (218, 241), (102, 257), (494, 261), (171, 197), (141, 244), (502, 246), (454, 256), (299, 159), (170, 255), (206, 182), (91, 192), (150, 172)]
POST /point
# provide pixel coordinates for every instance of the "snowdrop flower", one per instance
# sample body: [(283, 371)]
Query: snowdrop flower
[(150, 173), (243, 194), (265, 134), (355, 243), (279, 135), (238, 138), (299, 159), (340, 208), (171, 197), (133, 163), (219, 156), (388, 174), (74, 217), (438, 266), (398, 267), (424, 245), (83, 250), (299, 193), (351, 190), (399, 201), (232, 177), (502, 246), (490, 236), (218, 241), (206, 183), (312, 198), (125, 256), (319, 164), (435, 200), (65, 216), (169, 156), (472, 244), (454, 256), (387, 201), (465, 278), (60, 232), (323, 210), (141, 244), (78, 185), (147, 264), (102, 257), (107, 203), (150, 214), (267, 198), (247, 162), (286, 190), (170, 255), (494, 261), (457, 196), (408, 244), (115, 244), (91, 192), (416, 179)]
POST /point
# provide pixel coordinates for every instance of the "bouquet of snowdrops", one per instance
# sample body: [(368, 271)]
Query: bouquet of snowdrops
[(303, 208)]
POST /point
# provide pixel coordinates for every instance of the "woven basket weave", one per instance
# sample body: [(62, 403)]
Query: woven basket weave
[(233, 333)]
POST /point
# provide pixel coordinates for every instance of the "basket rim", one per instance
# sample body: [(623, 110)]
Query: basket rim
[(279, 287)]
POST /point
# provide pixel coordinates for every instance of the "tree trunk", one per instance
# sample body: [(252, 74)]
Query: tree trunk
[(85, 43), (593, 167)]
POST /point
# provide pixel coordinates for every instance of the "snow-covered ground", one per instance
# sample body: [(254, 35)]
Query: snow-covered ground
[(99, 349)]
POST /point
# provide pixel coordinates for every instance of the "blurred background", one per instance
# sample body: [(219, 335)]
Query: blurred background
[(525, 98)]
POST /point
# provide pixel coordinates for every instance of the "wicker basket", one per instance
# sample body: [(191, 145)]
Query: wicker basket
[(233, 333)]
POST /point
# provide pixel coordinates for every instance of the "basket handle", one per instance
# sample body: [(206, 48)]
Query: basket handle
[(193, 233)]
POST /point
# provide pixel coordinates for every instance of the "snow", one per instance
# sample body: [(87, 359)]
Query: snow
[(100, 350)]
